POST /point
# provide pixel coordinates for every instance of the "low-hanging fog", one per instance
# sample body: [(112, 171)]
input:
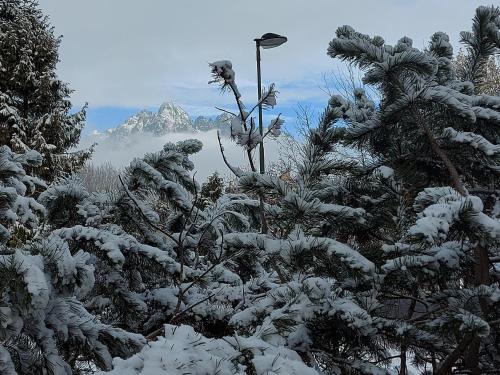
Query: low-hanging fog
[(121, 151)]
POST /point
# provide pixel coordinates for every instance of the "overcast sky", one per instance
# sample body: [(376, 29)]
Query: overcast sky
[(124, 55)]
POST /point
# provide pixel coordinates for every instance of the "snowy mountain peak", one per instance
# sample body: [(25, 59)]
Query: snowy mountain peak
[(170, 118), (170, 112)]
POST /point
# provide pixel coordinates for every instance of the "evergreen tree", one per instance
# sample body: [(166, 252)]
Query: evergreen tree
[(35, 111), (217, 269), (158, 256), (430, 191)]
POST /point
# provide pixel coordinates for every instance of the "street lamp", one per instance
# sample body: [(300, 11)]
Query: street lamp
[(268, 40)]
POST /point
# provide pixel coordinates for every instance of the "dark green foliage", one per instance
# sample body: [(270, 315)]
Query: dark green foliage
[(212, 189)]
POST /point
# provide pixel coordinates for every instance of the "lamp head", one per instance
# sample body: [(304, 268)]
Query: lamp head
[(271, 40)]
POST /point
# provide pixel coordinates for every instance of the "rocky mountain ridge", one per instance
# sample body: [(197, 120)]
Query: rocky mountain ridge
[(170, 118)]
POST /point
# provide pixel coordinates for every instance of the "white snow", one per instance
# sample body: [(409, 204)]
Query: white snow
[(183, 351), (474, 140)]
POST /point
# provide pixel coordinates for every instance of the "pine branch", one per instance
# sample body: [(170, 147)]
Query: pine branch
[(143, 215)]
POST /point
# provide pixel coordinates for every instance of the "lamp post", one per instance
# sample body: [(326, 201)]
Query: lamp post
[(268, 40)]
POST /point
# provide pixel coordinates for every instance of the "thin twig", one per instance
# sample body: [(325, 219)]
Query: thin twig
[(259, 102), (178, 315), (236, 173), (272, 127), (225, 110)]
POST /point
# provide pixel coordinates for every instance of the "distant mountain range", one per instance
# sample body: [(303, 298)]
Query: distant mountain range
[(170, 118), (148, 131)]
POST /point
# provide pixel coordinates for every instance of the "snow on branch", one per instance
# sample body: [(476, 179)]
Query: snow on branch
[(192, 353), (223, 74), (286, 248), (472, 139), (117, 246)]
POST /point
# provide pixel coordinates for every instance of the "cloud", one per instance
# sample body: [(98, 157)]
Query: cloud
[(126, 53), (121, 152)]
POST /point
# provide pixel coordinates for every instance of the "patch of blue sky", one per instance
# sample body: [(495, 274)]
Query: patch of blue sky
[(310, 94), (102, 118)]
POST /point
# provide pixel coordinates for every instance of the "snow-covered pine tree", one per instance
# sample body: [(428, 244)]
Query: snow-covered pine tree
[(430, 191), (160, 259), (130, 256), (244, 129), (44, 328), (157, 255), (319, 297), (227, 287), (183, 351), (35, 111)]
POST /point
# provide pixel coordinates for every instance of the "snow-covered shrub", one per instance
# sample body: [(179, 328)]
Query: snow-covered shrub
[(99, 178)]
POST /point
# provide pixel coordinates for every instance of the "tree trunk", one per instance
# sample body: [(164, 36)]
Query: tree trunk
[(456, 182), (446, 365), (402, 367), (481, 277)]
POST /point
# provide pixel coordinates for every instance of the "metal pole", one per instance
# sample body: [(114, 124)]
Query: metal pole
[(259, 95)]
